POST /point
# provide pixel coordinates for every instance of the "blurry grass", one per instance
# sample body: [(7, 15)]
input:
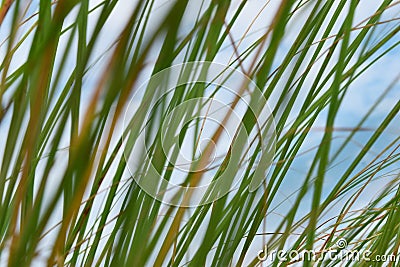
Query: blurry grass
[(117, 224)]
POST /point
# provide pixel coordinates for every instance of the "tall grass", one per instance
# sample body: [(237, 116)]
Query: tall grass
[(69, 195)]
